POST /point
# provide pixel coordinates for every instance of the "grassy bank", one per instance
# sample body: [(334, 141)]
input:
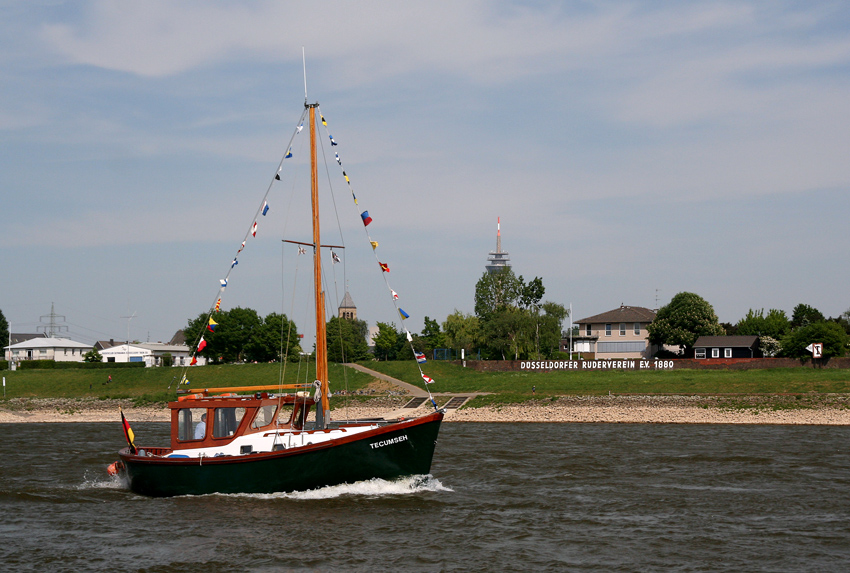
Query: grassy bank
[(151, 384), (517, 386)]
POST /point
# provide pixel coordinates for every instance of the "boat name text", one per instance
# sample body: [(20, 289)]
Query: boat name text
[(382, 443)]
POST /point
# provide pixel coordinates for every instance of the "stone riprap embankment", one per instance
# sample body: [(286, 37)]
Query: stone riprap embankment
[(807, 409)]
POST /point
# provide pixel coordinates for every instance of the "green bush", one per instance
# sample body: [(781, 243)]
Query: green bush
[(53, 365)]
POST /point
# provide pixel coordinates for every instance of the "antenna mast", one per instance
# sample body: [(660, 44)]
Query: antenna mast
[(304, 65)]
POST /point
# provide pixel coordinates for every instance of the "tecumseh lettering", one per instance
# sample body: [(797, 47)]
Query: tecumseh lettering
[(383, 443)]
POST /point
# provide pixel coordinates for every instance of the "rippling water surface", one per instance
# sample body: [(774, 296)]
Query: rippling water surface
[(582, 497)]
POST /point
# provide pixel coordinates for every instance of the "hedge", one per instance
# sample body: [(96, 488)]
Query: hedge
[(53, 365)]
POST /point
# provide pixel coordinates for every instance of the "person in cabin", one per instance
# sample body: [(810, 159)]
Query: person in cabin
[(201, 428)]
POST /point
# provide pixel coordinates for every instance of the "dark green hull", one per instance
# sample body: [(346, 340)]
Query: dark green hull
[(388, 452)]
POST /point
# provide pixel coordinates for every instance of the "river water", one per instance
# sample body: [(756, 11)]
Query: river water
[(510, 497)]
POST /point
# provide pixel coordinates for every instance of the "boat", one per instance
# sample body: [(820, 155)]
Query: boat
[(258, 439)]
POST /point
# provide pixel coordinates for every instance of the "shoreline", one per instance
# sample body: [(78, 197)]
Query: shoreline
[(814, 410)]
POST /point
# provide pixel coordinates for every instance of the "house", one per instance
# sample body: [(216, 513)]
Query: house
[(101, 345), (618, 333), (727, 347), (16, 337), (58, 349)]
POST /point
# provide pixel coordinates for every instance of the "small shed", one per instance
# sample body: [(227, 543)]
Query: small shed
[(727, 347)]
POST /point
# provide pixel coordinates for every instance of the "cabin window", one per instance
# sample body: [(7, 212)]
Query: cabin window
[(296, 419), (587, 330), (637, 328), (715, 353), (699, 353), (608, 329), (264, 417), (622, 329), (188, 420), (227, 421), (727, 353)]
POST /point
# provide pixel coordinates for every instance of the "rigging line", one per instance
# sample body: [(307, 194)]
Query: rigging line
[(374, 251), (283, 353), (339, 330), (292, 193), (342, 240), (332, 194), (256, 215)]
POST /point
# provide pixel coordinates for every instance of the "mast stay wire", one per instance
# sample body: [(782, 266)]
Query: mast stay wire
[(375, 253), (224, 281)]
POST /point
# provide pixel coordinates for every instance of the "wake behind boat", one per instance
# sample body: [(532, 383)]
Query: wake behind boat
[(247, 439)]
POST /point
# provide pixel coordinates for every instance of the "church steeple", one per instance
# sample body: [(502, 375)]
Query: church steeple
[(347, 308)]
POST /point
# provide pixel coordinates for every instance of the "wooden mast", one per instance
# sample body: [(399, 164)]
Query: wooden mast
[(321, 329)]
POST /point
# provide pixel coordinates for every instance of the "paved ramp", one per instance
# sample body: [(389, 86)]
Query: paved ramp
[(409, 388), (456, 402), (415, 403)]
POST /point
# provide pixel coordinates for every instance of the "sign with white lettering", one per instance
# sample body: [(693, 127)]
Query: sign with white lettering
[(623, 364)]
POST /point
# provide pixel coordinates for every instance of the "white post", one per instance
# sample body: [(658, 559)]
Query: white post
[(571, 332)]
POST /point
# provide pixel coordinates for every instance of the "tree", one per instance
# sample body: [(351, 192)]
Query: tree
[(386, 341), (510, 318), (4, 329), (227, 343), (832, 336), (531, 293), (497, 290), (844, 320), (93, 356), (774, 325), (508, 332), (462, 331), (769, 346), (549, 328), (431, 335), (687, 317), (804, 315), (347, 340), (274, 339)]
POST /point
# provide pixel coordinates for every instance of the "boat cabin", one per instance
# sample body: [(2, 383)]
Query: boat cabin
[(199, 421)]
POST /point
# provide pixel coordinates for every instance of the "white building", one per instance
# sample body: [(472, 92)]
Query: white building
[(58, 349), (151, 353)]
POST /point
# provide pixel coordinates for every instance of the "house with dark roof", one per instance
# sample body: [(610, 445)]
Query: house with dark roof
[(18, 337), (707, 347), (618, 333)]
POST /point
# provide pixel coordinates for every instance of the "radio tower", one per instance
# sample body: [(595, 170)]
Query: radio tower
[(498, 259)]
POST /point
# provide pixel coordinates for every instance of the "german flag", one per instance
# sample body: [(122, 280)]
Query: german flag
[(128, 431)]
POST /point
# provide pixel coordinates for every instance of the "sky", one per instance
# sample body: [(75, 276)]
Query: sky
[(633, 150)]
